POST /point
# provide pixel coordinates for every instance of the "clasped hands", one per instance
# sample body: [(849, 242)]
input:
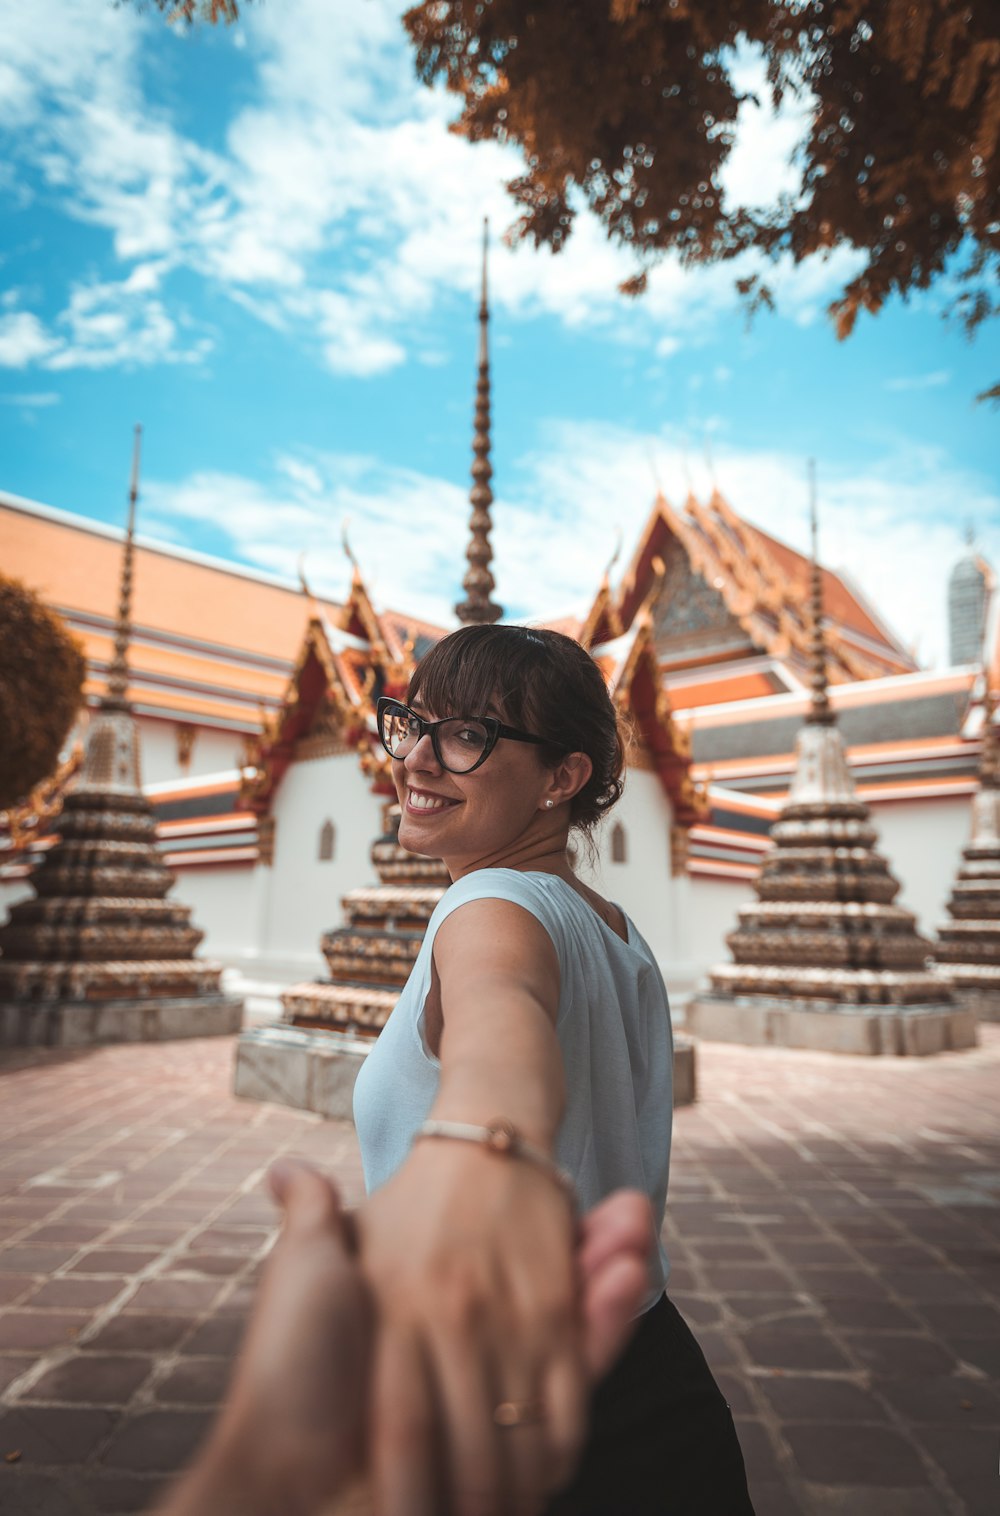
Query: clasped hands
[(439, 1349)]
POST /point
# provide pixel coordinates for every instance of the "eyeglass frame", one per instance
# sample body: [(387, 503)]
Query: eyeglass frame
[(495, 729)]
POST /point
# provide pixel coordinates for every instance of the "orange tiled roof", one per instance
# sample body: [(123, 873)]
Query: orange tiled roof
[(764, 584), (210, 641)]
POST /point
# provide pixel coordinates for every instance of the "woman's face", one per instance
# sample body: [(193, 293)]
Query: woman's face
[(468, 819)]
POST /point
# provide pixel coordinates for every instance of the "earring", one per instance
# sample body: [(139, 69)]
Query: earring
[(548, 805)]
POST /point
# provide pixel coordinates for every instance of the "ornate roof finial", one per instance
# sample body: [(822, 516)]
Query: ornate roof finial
[(118, 673), (477, 607), (820, 712)]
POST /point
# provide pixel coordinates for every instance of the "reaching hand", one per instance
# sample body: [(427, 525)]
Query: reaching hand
[(291, 1434)]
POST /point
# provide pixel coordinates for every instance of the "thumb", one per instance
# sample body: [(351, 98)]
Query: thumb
[(307, 1198)]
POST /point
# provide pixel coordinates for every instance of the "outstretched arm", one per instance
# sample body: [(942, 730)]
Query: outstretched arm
[(470, 1255)]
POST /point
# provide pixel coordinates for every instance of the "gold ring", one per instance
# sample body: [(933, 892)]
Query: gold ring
[(518, 1413)]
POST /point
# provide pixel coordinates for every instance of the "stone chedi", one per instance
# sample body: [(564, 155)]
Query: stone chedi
[(371, 957), (310, 1058), (100, 954), (824, 958), (967, 953)]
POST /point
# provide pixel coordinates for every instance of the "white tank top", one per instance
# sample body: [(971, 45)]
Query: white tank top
[(613, 1026)]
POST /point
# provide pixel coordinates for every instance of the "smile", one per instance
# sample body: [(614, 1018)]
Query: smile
[(417, 800)]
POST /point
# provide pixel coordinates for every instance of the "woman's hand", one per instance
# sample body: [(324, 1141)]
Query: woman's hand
[(470, 1257)]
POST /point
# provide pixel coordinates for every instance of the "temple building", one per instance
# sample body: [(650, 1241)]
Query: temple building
[(825, 958), (248, 697), (99, 954)]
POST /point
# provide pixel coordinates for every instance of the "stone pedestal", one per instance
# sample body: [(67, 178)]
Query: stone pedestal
[(315, 1070), (832, 1026), (80, 1023)]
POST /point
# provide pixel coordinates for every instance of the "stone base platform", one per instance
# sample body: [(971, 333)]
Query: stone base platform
[(983, 1003), (832, 1027), (302, 1067), (315, 1070), (81, 1023)]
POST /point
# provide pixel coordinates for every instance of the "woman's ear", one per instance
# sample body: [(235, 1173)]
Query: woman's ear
[(566, 780)]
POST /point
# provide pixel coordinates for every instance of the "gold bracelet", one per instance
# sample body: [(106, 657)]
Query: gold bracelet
[(500, 1137)]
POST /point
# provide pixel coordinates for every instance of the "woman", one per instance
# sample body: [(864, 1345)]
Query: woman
[(532, 1041)]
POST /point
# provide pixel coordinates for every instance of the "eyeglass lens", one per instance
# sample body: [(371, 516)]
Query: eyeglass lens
[(460, 742)]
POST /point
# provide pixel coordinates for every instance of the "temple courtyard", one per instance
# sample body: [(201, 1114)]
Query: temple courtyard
[(834, 1224)]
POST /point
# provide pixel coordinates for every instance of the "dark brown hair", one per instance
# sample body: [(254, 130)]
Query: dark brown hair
[(539, 681)]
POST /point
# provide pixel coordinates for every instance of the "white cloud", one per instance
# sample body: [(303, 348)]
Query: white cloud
[(38, 400), (339, 207), (23, 340), (557, 521), (919, 381)]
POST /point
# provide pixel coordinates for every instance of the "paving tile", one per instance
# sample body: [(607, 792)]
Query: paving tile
[(875, 1315), (944, 1399), (954, 1320), (806, 1349), (211, 1265), (92, 1378), (240, 1240), (185, 1295), (982, 1352), (16, 1286), (52, 1434), (854, 1454), (70, 1293), (842, 1284), (134, 1333), (115, 1493), (25, 1259), (745, 1279), (219, 1336), (23, 1492), (758, 1451), (158, 1441), (114, 1261), (195, 1381), (796, 1397), (27, 1330), (896, 1353)]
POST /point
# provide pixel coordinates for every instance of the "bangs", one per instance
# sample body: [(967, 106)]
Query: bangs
[(480, 671)]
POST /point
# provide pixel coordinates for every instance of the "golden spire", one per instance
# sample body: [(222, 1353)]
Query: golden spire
[(819, 709), (477, 607), (117, 694)]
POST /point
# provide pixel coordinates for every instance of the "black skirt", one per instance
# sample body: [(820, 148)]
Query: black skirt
[(662, 1440)]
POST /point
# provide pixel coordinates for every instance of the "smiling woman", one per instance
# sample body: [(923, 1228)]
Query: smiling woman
[(532, 1042)]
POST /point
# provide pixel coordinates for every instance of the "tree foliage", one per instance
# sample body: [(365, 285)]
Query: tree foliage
[(42, 669), (632, 105)]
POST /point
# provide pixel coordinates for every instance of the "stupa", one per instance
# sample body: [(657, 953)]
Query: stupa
[(100, 954), (967, 953), (824, 959)]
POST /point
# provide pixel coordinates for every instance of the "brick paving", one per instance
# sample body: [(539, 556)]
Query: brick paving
[(834, 1224)]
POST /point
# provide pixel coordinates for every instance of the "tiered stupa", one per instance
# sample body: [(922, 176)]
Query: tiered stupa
[(824, 959), (100, 954), (968, 946)]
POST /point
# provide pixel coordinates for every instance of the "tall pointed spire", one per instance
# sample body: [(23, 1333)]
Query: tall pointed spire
[(820, 711), (117, 695), (477, 607)]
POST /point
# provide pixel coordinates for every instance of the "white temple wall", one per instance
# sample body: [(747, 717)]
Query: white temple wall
[(711, 910), (220, 903), (11, 891), (303, 893), (213, 751), (641, 884), (923, 841)]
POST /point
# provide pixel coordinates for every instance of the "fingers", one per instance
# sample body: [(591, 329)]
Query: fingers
[(403, 1446), (612, 1301), (305, 1195), (478, 1475), (623, 1223)]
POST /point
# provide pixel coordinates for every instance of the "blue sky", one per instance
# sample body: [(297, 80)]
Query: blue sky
[(263, 243)]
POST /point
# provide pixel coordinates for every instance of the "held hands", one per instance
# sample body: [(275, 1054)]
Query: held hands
[(484, 1358), (451, 1323)]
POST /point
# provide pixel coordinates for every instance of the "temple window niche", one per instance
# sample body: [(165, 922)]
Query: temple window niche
[(326, 842), (619, 844)]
